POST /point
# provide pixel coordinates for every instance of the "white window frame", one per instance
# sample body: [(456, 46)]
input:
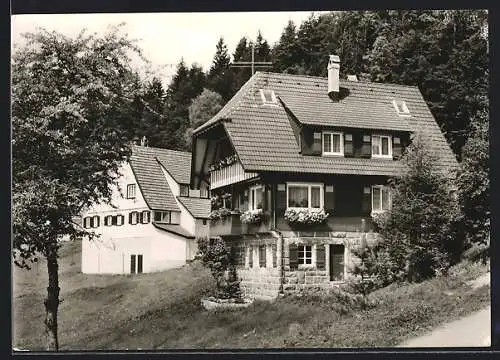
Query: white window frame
[(132, 193), (274, 101), (251, 205), (380, 136), (309, 185), (303, 264), (404, 109), (331, 133), (381, 187)]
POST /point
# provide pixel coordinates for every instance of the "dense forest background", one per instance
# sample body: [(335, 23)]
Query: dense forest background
[(444, 53)]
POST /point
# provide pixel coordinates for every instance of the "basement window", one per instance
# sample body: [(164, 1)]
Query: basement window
[(401, 107), (268, 96)]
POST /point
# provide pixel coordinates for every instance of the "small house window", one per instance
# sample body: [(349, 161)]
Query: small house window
[(262, 256), (184, 190), (131, 191), (95, 221), (204, 221), (145, 217), (108, 220), (333, 143), (401, 107), (305, 196), (119, 220), (381, 146), (162, 216), (255, 198), (381, 198), (133, 218), (87, 222), (305, 254), (268, 96)]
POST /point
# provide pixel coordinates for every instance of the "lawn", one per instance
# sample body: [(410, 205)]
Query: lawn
[(162, 311)]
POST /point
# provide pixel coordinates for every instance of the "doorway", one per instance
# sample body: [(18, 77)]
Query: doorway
[(135, 264), (337, 262)]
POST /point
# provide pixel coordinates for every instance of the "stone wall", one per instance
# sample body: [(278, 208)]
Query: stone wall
[(260, 282)]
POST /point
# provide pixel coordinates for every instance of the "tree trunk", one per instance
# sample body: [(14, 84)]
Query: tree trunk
[(52, 303)]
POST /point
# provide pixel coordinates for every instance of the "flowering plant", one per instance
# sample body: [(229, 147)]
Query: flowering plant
[(219, 164), (253, 216), (305, 216), (222, 213)]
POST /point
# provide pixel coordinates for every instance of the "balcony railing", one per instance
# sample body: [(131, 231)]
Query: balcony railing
[(232, 225), (229, 175)]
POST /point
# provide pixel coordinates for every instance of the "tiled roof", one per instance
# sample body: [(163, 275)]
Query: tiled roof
[(198, 207), (150, 178), (175, 229), (175, 162), (264, 140)]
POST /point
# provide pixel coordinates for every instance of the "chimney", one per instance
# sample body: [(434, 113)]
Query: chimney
[(333, 75)]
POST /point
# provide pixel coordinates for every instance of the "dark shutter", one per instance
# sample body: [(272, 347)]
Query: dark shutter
[(86, 222), (306, 142), (329, 198), (262, 256), (320, 257), (367, 199), (250, 257), (139, 264), (281, 202), (132, 264), (293, 256), (397, 148), (130, 217), (274, 255), (366, 147), (348, 145), (316, 146), (114, 220)]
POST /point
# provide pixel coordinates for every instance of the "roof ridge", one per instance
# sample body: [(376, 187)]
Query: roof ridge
[(162, 149)]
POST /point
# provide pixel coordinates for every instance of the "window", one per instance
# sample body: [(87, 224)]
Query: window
[(274, 255), (145, 217), (162, 216), (305, 196), (136, 264), (95, 221), (255, 198), (131, 191), (268, 96), (333, 143), (262, 256), (108, 220), (204, 221), (401, 107), (120, 220), (133, 218), (381, 198), (381, 146), (204, 193), (305, 254), (184, 190), (87, 222)]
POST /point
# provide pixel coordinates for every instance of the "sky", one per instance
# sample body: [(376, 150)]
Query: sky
[(166, 37)]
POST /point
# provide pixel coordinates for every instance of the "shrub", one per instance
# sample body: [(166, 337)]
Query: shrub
[(215, 254)]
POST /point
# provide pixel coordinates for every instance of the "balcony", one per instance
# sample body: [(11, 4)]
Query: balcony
[(228, 175)]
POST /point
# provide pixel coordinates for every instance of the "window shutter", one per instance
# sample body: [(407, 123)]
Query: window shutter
[(348, 145), (367, 199), (130, 217), (306, 142), (316, 146), (329, 198), (264, 197), (320, 257), (280, 199), (397, 148), (113, 220), (86, 221), (293, 256), (366, 147), (274, 252)]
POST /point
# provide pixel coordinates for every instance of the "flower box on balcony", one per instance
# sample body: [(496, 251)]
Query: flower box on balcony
[(255, 221), (228, 225)]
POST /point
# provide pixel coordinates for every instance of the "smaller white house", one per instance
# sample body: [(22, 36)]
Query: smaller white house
[(155, 218)]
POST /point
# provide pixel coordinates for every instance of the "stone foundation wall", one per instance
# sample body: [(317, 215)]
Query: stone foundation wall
[(260, 282), (296, 281)]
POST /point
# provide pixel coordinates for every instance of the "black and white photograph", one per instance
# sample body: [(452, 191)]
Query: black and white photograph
[(250, 180)]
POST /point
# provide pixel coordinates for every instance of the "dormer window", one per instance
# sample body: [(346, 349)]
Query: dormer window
[(184, 189), (381, 146), (401, 107), (268, 96), (333, 143)]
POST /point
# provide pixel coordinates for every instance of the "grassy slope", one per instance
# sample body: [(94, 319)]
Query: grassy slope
[(162, 310)]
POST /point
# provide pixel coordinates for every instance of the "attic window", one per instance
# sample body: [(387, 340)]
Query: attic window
[(401, 107), (268, 96)]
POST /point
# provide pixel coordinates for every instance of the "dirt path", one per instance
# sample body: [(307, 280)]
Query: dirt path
[(471, 331)]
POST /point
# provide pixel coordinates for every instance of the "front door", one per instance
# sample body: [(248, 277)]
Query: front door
[(337, 262), (135, 264)]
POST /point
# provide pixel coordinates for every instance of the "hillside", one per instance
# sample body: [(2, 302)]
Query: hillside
[(162, 310)]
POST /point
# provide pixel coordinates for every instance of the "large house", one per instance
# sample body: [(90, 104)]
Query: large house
[(154, 220), (305, 161)]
